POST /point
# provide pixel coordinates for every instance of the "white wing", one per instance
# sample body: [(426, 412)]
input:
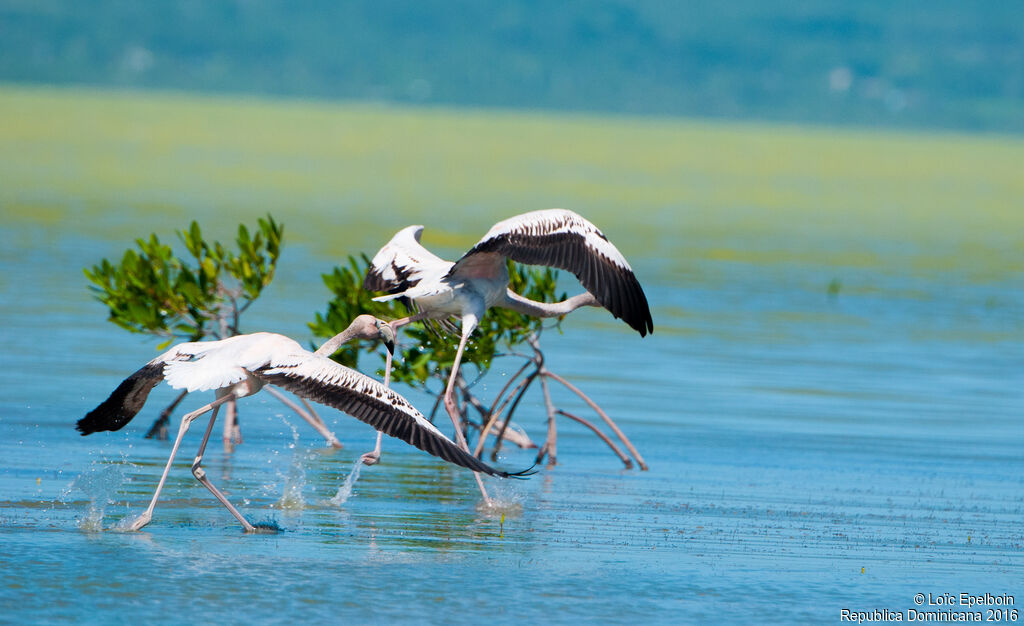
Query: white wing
[(127, 400), (207, 365), (402, 263), (563, 239)]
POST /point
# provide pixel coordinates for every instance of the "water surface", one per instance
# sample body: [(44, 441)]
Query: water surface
[(832, 419)]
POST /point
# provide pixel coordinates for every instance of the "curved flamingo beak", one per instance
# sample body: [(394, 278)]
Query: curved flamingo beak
[(387, 336)]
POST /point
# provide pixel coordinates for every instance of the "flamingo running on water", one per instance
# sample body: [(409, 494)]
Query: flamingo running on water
[(558, 238), (240, 366)]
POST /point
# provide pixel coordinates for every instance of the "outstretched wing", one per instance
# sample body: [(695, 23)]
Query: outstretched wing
[(322, 380), (565, 240), (124, 403), (128, 399), (402, 263), (219, 364)]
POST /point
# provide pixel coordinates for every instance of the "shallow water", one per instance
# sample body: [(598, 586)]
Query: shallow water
[(807, 454), (831, 415)]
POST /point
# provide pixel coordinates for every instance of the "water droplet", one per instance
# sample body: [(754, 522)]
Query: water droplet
[(345, 491)]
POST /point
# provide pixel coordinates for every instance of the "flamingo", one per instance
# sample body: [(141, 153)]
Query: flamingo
[(240, 366), (558, 238)]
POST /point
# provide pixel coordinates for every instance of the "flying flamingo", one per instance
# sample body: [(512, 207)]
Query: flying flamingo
[(240, 366), (478, 281)]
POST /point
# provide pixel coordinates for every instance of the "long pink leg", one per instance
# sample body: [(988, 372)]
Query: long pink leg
[(396, 324), (200, 475), (453, 408), (372, 458), (186, 421), (469, 322)]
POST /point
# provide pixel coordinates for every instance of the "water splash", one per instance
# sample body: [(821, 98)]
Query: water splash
[(125, 524), (294, 483), (295, 478), (345, 491), (98, 483), (502, 504), (268, 527)]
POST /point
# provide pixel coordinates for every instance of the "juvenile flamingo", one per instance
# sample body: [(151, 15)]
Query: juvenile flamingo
[(240, 366), (559, 238)]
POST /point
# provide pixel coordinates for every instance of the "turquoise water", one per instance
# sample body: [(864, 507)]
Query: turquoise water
[(808, 453)]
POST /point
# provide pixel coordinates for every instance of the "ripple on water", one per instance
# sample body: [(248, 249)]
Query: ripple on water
[(788, 454)]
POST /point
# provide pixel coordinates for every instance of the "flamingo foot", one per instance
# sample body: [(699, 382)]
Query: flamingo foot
[(139, 522)]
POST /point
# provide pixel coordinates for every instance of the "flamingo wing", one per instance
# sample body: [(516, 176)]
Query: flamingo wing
[(130, 396), (402, 263), (565, 240), (322, 380)]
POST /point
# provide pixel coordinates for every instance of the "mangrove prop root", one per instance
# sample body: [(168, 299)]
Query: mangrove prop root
[(622, 437), (512, 409), (495, 413), (159, 428), (313, 419), (597, 431), (550, 447)]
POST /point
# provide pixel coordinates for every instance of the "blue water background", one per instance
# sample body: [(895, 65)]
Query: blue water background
[(808, 452)]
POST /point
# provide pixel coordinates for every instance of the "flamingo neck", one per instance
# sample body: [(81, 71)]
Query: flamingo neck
[(331, 345), (533, 308)]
